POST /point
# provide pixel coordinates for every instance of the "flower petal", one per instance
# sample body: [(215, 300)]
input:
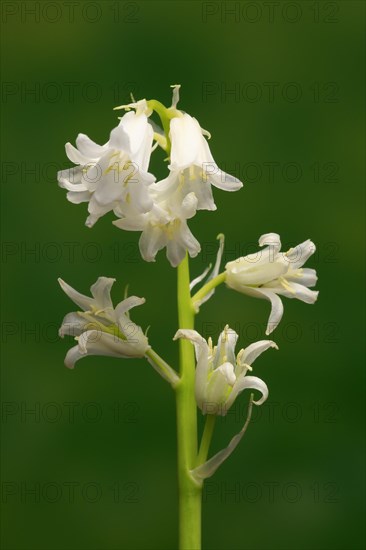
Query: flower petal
[(139, 195), (175, 252), (96, 211), (247, 382), (132, 301), (300, 292), (300, 254), (75, 155), (85, 302), (151, 241), (304, 276), (225, 350), (186, 138), (136, 223), (89, 148), (189, 206), (199, 278), (139, 132), (220, 382), (276, 303), (244, 273), (202, 352), (95, 342), (71, 179), (213, 174), (254, 350), (221, 179), (210, 466), (72, 325), (77, 197), (200, 345), (119, 139), (270, 239), (101, 291), (182, 240)]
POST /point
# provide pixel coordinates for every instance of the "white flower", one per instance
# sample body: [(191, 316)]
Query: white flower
[(114, 174), (220, 376), (101, 329), (267, 273), (165, 225), (191, 163)]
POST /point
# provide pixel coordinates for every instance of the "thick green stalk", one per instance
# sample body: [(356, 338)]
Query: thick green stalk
[(190, 492)]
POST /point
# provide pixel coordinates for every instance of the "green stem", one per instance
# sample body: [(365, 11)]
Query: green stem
[(220, 278), (206, 439), (189, 491), (162, 367), (165, 114)]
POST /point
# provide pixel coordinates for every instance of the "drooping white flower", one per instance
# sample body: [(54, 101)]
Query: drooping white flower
[(101, 329), (112, 174), (269, 273), (165, 225), (220, 375), (192, 166)]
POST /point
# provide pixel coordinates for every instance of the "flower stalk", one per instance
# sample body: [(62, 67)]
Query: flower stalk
[(190, 492), (162, 367), (213, 283), (206, 438)]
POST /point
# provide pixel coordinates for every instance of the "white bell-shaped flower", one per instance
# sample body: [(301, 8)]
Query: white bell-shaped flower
[(192, 165), (165, 226), (101, 329), (269, 273), (112, 174), (221, 375)]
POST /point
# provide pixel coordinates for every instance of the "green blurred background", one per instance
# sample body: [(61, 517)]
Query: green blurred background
[(89, 455)]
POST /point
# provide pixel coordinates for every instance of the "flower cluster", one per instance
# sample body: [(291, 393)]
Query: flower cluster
[(115, 177)]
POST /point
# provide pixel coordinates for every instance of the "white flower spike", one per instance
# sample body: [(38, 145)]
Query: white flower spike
[(220, 375), (114, 177), (101, 329), (269, 273)]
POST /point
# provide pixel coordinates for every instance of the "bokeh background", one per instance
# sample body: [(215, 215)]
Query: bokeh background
[(89, 455)]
